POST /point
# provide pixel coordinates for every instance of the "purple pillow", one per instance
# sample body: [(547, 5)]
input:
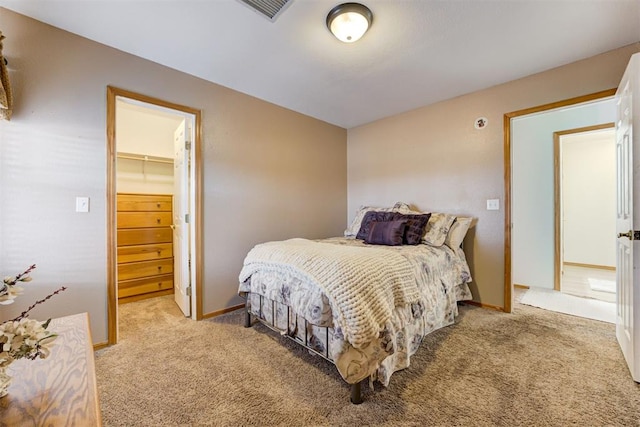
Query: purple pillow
[(416, 227), (371, 216), (388, 233)]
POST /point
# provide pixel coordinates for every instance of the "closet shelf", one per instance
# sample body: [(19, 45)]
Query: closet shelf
[(145, 158)]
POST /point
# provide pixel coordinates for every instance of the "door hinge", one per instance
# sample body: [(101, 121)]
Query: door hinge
[(187, 145), (188, 290), (636, 234), (186, 218)]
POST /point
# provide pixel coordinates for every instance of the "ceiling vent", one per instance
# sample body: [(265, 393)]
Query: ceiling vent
[(269, 8)]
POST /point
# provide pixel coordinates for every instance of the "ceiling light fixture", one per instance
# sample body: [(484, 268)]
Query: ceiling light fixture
[(349, 21)]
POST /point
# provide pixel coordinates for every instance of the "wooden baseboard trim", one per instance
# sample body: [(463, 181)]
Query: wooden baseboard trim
[(223, 311), (600, 267), (100, 346), (515, 285), (483, 305)]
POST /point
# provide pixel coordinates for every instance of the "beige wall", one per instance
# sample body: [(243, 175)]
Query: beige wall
[(269, 173), (433, 158)]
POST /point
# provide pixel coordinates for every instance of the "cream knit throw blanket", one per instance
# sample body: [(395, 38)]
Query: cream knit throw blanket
[(363, 284)]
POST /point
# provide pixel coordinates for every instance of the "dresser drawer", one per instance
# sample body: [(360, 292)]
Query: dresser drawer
[(136, 270), (144, 219), (144, 202), (127, 288), (143, 236), (144, 252)]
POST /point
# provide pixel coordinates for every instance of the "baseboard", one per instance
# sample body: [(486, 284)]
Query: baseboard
[(100, 346), (600, 267), (483, 305), (515, 285), (223, 311)]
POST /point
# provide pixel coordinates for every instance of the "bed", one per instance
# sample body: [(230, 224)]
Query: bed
[(365, 307)]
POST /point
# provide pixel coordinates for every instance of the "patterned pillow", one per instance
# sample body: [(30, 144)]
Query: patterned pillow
[(372, 216), (388, 233), (416, 227), (438, 228), (457, 232), (353, 229)]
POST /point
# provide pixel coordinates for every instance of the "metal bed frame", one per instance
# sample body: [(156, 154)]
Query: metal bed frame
[(356, 389)]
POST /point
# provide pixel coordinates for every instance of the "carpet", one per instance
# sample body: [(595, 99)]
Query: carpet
[(529, 368), (569, 304), (602, 285)]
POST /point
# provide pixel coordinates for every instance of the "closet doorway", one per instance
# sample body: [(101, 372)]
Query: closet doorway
[(585, 212), (154, 205)]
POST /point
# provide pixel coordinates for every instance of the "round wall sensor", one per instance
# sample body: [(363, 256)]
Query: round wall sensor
[(481, 123)]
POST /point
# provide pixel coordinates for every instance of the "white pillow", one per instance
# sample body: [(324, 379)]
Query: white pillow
[(352, 230), (457, 232), (438, 228)]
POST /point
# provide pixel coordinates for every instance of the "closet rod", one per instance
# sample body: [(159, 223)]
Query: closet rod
[(142, 157)]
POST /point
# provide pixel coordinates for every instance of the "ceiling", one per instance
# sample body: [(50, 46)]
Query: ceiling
[(417, 52)]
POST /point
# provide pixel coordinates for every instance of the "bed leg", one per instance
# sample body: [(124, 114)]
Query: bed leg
[(247, 315), (356, 393)]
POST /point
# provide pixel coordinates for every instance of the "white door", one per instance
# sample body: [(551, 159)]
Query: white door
[(628, 193), (181, 256)]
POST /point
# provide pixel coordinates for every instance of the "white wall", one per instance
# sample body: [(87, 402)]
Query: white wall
[(140, 130), (532, 244), (589, 197), (150, 132)]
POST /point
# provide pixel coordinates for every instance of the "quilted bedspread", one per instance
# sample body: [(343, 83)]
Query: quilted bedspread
[(364, 285), (440, 273)]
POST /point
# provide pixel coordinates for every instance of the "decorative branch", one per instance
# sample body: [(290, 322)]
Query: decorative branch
[(32, 306), (21, 277)]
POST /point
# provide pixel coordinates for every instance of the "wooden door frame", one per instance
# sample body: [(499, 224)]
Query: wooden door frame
[(508, 285), (112, 297), (557, 193)]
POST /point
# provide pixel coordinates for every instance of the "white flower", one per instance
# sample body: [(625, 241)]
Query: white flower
[(24, 338), (9, 293)]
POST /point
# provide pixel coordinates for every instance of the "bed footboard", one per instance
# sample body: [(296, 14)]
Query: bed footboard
[(356, 389)]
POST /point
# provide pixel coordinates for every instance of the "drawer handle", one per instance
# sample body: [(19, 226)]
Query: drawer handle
[(159, 251), (158, 220), (159, 268), (160, 284), (158, 205)]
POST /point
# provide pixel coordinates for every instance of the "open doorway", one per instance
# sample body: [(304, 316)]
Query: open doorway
[(154, 205), (585, 211), (529, 190)]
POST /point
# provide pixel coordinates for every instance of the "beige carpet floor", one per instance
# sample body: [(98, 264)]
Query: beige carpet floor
[(529, 368)]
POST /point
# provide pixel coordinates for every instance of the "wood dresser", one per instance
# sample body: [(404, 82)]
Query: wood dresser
[(145, 246), (59, 390)]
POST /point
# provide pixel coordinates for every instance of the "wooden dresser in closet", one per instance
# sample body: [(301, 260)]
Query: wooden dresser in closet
[(145, 246)]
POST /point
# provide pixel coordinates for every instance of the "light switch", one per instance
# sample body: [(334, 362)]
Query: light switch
[(82, 204), (493, 204)]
